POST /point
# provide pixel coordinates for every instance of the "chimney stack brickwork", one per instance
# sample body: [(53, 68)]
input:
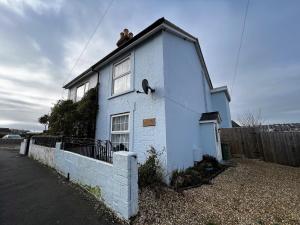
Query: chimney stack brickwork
[(124, 37)]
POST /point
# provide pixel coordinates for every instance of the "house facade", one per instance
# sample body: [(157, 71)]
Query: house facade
[(176, 119)]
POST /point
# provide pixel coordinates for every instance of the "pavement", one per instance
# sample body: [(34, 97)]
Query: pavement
[(33, 194)]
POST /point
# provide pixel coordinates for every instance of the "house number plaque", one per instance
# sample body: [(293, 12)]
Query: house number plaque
[(149, 122)]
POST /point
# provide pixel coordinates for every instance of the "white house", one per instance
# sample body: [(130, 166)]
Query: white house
[(181, 119)]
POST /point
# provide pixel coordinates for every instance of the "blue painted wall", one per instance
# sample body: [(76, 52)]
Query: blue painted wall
[(210, 140), (147, 63), (186, 89), (220, 103), (182, 94)]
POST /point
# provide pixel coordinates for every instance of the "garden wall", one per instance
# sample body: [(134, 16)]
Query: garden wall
[(42, 154), (115, 184)]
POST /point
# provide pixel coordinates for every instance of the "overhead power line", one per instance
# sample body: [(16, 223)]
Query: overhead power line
[(240, 47), (89, 40)]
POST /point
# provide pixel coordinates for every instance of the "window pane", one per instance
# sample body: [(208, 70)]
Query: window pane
[(86, 87), (79, 93), (120, 123), (122, 68), (121, 84), (120, 142)]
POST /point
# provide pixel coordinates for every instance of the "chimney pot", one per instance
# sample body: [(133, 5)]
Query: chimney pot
[(124, 37)]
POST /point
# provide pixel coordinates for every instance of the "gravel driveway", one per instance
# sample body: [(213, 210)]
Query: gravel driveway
[(254, 192)]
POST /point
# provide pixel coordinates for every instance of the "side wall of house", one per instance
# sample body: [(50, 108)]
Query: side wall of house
[(187, 96), (92, 83), (147, 63), (212, 143), (220, 103)]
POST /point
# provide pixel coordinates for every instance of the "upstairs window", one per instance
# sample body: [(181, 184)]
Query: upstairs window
[(81, 90), (120, 132), (121, 76)]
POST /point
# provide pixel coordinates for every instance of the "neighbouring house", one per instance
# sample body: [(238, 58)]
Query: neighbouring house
[(180, 116), (4, 131)]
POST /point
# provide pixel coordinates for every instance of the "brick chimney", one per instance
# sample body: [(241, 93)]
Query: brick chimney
[(124, 37)]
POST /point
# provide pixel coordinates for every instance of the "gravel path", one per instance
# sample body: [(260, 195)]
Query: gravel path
[(254, 192)]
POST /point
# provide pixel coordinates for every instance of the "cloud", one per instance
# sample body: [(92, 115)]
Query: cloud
[(41, 40), (38, 6)]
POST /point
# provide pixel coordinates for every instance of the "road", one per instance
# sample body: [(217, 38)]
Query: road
[(32, 194)]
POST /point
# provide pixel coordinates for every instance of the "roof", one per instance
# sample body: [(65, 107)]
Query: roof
[(158, 25), (210, 116), (4, 130), (222, 89), (234, 124)]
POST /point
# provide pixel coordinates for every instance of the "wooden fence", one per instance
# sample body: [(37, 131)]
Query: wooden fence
[(271, 146)]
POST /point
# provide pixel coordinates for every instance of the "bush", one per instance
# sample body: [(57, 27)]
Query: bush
[(201, 173), (77, 119), (151, 172), (210, 160)]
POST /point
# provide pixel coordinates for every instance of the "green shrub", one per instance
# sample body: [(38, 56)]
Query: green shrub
[(201, 173), (77, 119), (151, 172), (210, 160), (185, 178)]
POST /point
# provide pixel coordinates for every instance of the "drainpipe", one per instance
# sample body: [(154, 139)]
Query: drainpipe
[(97, 86)]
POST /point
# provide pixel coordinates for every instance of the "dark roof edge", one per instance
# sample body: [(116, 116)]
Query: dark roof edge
[(140, 34), (150, 28)]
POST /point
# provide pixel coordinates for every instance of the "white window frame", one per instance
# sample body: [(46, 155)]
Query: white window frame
[(122, 131), (84, 91), (130, 73)]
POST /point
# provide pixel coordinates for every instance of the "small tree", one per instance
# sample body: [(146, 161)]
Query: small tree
[(251, 119), (44, 120)]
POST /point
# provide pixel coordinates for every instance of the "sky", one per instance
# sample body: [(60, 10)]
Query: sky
[(40, 42)]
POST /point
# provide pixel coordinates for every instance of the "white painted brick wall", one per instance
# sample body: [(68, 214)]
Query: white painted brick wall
[(41, 153), (118, 181), (23, 147)]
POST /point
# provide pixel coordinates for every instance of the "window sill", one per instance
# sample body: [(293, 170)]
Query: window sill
[(120, 94)]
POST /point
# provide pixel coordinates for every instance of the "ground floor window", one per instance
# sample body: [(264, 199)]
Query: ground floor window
[(120, 132)]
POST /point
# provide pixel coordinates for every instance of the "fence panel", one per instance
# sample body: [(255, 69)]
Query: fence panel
[(273, 146)]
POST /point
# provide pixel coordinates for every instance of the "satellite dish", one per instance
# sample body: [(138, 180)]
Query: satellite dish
[(146, 87)]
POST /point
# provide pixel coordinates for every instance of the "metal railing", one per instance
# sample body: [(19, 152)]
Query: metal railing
[(48, 141), (97, 149)]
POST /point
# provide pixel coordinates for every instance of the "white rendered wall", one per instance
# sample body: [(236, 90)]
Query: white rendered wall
[(92, 79)]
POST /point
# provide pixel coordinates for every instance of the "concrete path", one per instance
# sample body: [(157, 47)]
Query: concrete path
[(31, 194)]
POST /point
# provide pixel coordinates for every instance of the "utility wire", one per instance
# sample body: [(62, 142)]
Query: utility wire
[(240, 47), (88, 41)]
